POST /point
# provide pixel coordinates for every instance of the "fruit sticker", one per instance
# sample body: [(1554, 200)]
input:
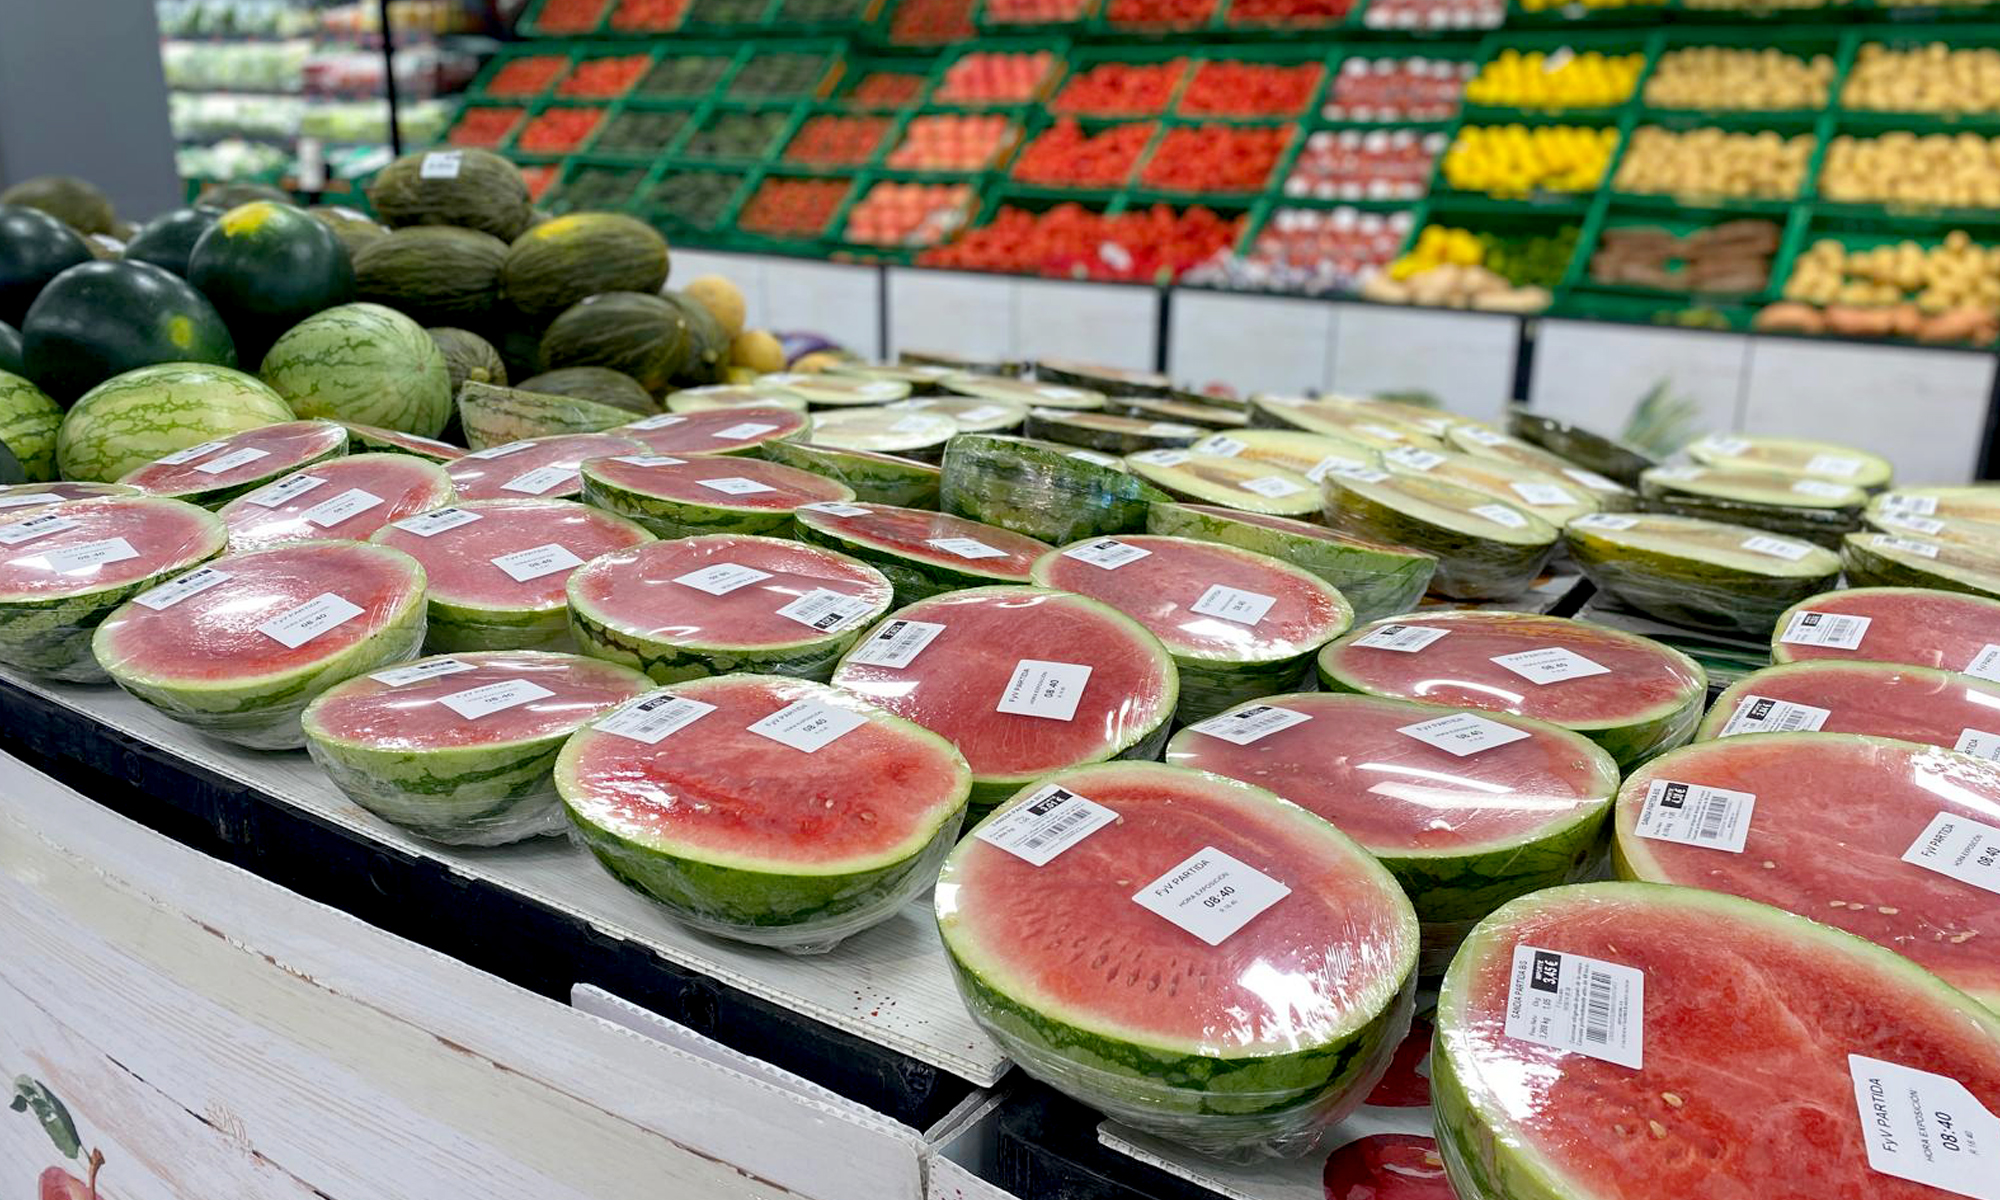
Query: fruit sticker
[(33, 1097)]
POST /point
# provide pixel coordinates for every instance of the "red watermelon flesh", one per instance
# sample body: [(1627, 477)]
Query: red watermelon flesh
[(634, 589), (431, 448), (954, 684), (1924, 628), (1387, 1166), (1749, 1018), (213, 635), (166, 534), (459, 561), (20, 499), (716, 431), (1915, 704), (543, 467), (1833, 817), (788, 486), (717, 790), (278, 450), (1407, 1084), (1391, 792), (353, 497), (910, 532), (368, 712)]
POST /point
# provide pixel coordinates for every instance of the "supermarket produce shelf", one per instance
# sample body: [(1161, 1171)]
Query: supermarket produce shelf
[(877, 1020)]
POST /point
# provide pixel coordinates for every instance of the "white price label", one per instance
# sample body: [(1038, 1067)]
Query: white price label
[(1695, 814), (1978, 743), (1233, 604), (1058, 393), (500, 451), (1966, 850), (1762, 714), (71, 560), (1675, 474), (1482, 437), (808, 725), (1726, 447), (1357, 474), (1926, 1128), (232, 460), (1928, 525), (1221, 444), (1543, 495), (1382, 431), (1922, 549), (896, 644), (748, 429), (194, 583), (1405, 639), (1500, 514), (653, 717), (650, 460), (1414, 458), (536, 561), (288, 488), (1838, 630), (835, 508), (27, 498), (1463, 733), (965, 547), (436, 521), (1822, 489), (441, 164), (1985, 664), (541, 480), (826, 611), (474, 703), (188, 455), (1903, 502), (1171, 429), (1049, 690), (1045, 824), (1108, 553), (1776, 547), (1838, 465), (1605, 521), (918, 426), (350, 503), (983, 414), (1584, 1005), (735, 485), (1246, 725), (1592, 480), (661, 421), (1335, 462), (1551, 664), (430, 668), (1162, 458), (296, 627), (1092, 456), (1211, 895), (34, 527), (1272, 486), (722, 578)]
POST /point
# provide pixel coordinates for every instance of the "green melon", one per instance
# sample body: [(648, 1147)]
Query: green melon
[(433, 274), (1053, 493), (642, 335), (473, 189), (563, 260), (365, 363), (601, 385), (28, 422), (709, 342), (356, 230), (132, 419), (494, 416), (469, 358), (874, 478), (75, 202)]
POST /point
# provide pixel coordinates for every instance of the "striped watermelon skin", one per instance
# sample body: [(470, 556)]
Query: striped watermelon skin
[(289, 446), (28, 423), (132, 419), (874, 478), (374, 439), (365, 363)]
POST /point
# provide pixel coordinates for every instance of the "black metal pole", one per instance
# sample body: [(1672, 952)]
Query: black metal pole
[(389, 77)]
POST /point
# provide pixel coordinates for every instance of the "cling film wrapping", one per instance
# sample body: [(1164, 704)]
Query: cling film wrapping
[(1050, 492), (1916, 560), (1817, 510), (1699, 573), (1486, 549)]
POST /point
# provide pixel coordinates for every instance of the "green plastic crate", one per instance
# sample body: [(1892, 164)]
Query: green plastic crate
[(1084, 58), (1440, 52), (679, 224), (831, 51), (991, 27), (530, 24), (1804, 43), (1679, 220), (1618, 41)]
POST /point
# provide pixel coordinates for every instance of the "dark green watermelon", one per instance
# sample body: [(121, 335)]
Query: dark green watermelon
[(167, 240), (75, 202), (106, 318), (601, 384), (10, 351), (266, 267), (644, 336), (34, 248)]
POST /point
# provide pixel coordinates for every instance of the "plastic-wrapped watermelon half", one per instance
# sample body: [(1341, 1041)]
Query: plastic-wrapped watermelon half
[(1630, 695), (1099, 377), (922, 553), (1108, 433), (921, 377), (1794, 456), (1553, 499), (547, 468), (718, 431), (1486, 549), (213, 473), (1043, 490), (375, 439), (1743, 1046), (1593, 452), (873, 478), (1480, 442), (1973, 502), (239, 647), (349, 497), (1378, 580), (1337, 416), (1467, 810), (1919, 626), (65, 567), (1228, 482), (899, 431), (1818, 510), (462, 750), (832, 391), (1701, 573), (1904, 560), (765, 809), (681, 497), (1953, 531), (1238, 624), (1029, 393), (1309, 454), (728, 395), (498, 567), (20, 499), (1205, 961), (1894, 700), (698, 606), (1878, 837), (969, 414), (1024, 681)]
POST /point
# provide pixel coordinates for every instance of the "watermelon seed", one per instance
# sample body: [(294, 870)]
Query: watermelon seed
[(1769, 865), (1886, 911), (1673, 1101), (1959, 939), (1659, 1130), (1838, 903)]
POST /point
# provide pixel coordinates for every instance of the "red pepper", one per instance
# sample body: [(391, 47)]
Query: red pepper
[(1239, 89)]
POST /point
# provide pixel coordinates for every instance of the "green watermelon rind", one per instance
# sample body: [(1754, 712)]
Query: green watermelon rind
[(1484, 1153), (1869, 565), (1377, 581), (28, 423), (216, 497), (149, 420), (1726, 704), (52, 637), (494, 416), (1040, 492), (1812, 518), (916, 573), (262, 711), (678, 517), (1478, 559), (1106, 432), (374, 440), (903, 483), (1181, 484), (362, 362), (1687, 589), (1781, 651)]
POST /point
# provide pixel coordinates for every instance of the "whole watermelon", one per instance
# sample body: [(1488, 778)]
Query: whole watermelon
[(708, 342), (363, 363), (467, 356), (132, 419), (356, 230), (266, 267), (473, 189), (434, 274), (75, 202), (560, 261), (28, 421), (10, 350), (642, 335), (167, 240), (601, 384), (105, 318), (34, 248)]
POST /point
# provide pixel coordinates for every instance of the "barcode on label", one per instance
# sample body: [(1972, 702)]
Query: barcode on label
[(1762, 714), (1598, 990), (1903, 502), (283, 490), (1900, 520), (1776, 547), (896, 644), (1570, 1002), (1221, 444), (1500, 514), (1695, 814), (1605, 521), (436, 521), (1809, 628), (1062, 826), (1922, 549), (1045, 824)]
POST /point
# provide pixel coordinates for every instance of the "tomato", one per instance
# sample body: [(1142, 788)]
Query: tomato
[(558, 129), (650, 15), (605, 76), (485, 128), (1121, 88), (1064, 156), (528, 76), (1240, 89), (1215, 158), (570, 16)]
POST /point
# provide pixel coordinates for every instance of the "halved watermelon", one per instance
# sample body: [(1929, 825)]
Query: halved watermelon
[(728, 395), (1029, 393), (717, 431), (1230, 482), (64, 568), (1822, 824), (497, 568), (1925, 628), (238, 648), (1904, 560), (711, 605), (885, 431), (1630, 695), (1763, 1035), (873, 478), (1378, 580), (1794, 456), (969, 414), (463, 750), (1309, 454), (1486, 549), (832, 391), (20, 499), (1238, 624), (1976, 502), (1108, 433), (395, 441), (1817, 509), (765, 809), (922, 553), (680, 497), (1211, 964), (1338, 416), (545, 468), (1043, 490), (1895, 700), (213, 473), (1466, 810), (1554, 499), (349, 497), (1023, 680), (1695, 572)]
